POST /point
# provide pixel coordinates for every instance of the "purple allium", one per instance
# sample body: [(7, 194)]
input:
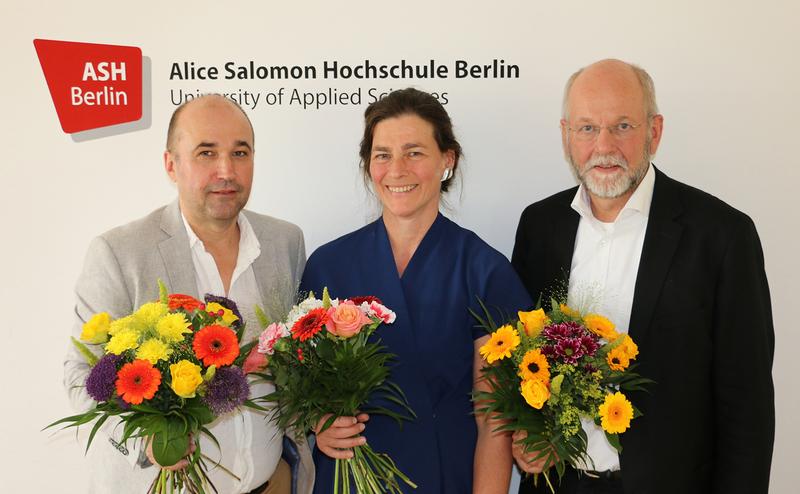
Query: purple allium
[(561, 331), (569, 350), (101, 379), (228, 304), (227, 390)]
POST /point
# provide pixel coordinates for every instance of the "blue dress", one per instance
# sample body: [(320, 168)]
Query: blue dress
[(433, 338)]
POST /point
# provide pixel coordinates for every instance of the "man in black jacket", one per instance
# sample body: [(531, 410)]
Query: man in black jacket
[(679, 270)]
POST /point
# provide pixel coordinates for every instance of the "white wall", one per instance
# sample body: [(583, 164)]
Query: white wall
[(726, 75)]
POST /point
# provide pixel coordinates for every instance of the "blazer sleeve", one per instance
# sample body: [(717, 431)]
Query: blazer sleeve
[(100, 288), (744, 341)]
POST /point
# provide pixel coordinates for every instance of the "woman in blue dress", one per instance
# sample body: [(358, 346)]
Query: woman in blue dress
[(429, 271)]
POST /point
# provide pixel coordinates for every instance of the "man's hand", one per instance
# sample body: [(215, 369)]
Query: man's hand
[(336, 440), (183, 463)]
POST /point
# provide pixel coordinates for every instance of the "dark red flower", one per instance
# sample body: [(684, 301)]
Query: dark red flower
[(300, 354), (365, 298), (310, 324)]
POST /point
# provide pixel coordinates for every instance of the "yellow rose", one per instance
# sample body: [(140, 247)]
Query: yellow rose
[(600, 326), (534, 321), (96, 329), (630, 348), (185, 378), (535, 392), (228, 317)]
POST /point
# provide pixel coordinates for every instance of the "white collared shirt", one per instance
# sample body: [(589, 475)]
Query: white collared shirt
[(603, 277), (250, 446)]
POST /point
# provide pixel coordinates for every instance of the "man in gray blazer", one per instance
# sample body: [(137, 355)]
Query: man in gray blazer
[(204, 242)]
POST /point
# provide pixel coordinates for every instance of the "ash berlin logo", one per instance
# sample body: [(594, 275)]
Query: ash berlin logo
[(92, 85)]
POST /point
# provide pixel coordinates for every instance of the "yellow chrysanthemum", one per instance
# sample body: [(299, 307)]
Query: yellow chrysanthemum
[(534, 321), (172, 327), (617, 359), (153, 350), (616, 413), (228, 317), (185, 378), (95, 330), (600, 326), (535, 392), (125, 339), (568, 311), (121, 324), (149, 314), (629, 347), (534, 365), (500, 345)]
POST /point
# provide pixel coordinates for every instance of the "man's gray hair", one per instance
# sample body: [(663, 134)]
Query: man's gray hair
[(645, 81)]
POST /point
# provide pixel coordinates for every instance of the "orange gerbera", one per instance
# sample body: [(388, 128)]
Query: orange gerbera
[(138, 381), (216, 345), (310, 324), (181, 301)]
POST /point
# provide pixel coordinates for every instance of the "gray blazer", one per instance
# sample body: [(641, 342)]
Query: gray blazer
[(120, 273)]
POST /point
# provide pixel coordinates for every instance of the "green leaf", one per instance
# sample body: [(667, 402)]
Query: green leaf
[(90, 357), (170, 441), (163, 293), (263, 320), (613, 440), (326, 298)]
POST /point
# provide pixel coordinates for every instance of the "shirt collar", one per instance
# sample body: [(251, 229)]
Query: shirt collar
[(249, 246), (638, 202)]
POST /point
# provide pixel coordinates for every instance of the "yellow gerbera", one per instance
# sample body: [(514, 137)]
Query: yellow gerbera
[(630, 348), (534, 365), (148, 314), (534, 321), (535, 392), (95, 330), (568, 311), (617, 359), (125, 339), (228, 317), (600, 326), (616, 413), (500, 345), (153, 350), (173, 326)]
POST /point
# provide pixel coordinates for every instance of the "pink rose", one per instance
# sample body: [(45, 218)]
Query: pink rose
[(382, 312), (346, 319), (255, 361), (268, 337)]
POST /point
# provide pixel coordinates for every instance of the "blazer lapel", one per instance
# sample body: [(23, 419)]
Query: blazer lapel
[(660, 242), (176, 254), (562, 242)]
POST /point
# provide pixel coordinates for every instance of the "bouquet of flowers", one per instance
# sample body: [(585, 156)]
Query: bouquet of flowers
[(322, 361), (547, 370), (167, 370)]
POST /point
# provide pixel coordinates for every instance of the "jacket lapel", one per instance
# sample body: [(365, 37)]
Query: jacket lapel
[(176, 254), (564, 228), (660, 242)]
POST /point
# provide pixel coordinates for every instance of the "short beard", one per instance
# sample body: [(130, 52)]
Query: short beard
[(611, 187)]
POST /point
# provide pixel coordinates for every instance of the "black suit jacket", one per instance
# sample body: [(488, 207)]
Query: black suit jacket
[(703, 322)]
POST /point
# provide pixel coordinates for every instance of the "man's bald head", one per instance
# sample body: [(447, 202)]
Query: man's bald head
[(173, 131), (614, 71)]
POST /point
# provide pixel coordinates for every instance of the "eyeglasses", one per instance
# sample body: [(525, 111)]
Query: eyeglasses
[(588, 132)]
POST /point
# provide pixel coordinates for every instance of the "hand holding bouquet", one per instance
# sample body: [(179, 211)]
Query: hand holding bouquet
[(322, 365), (548, 370), (167, 370)]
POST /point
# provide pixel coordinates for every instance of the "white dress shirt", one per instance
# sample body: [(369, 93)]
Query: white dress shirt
[(250, 446), (602, 280)]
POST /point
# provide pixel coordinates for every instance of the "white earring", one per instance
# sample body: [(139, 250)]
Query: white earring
[(448, 173)]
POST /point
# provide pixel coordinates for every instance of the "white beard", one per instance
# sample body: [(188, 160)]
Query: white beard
[(610, 186)]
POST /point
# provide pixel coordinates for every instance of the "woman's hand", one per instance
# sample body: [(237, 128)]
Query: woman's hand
[(526, 461), (337, 440)]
